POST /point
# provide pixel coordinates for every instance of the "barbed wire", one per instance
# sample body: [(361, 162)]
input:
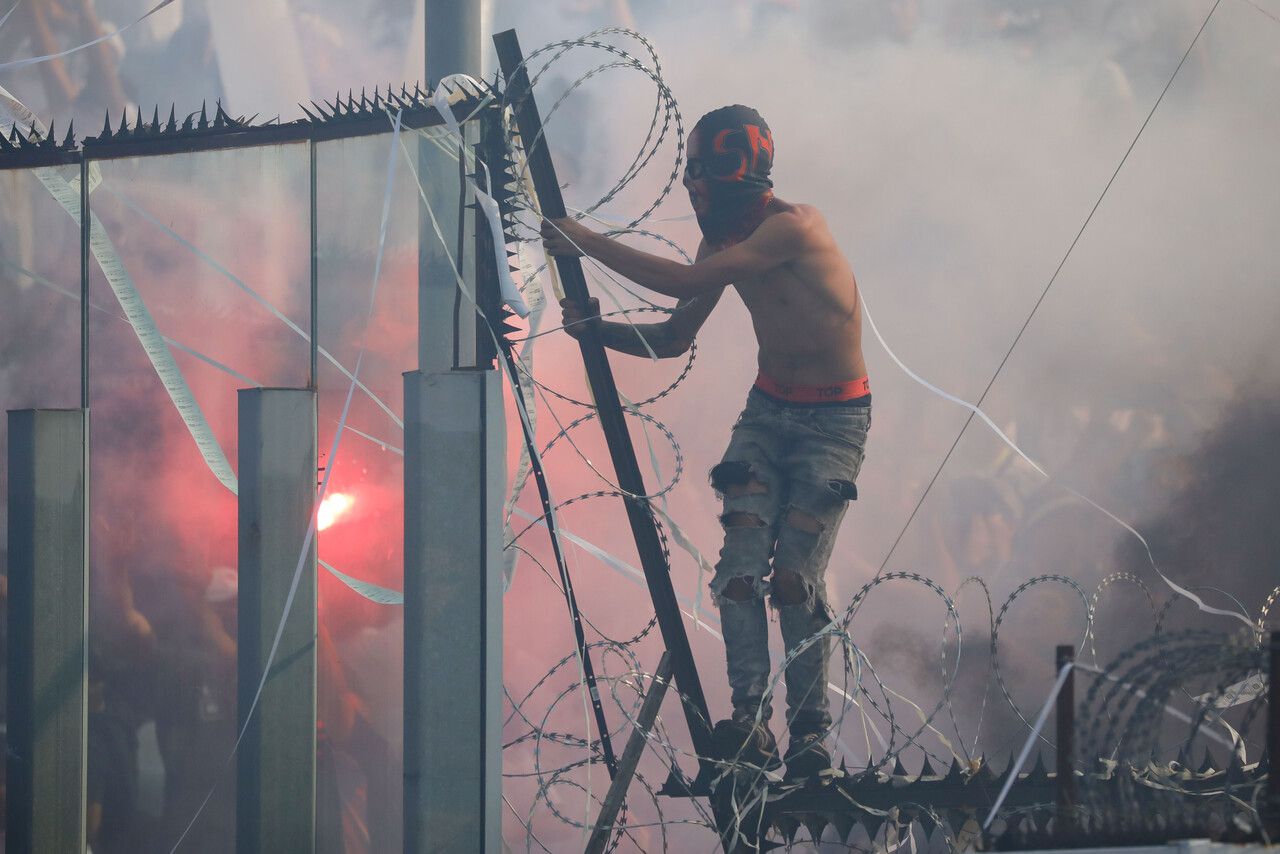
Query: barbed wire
[(1126, 702)]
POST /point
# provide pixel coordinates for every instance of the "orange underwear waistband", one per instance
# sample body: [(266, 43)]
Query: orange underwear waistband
[(837, 393)]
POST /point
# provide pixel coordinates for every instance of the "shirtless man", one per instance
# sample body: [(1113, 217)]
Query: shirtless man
[(796, 449)]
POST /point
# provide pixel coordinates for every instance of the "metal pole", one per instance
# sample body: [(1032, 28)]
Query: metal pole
[(1066, 737), (48, 632), (85, 234), (453, 40), (1273, 734), (630, 757), (276, 762), (314, 382), (455, 478), (612, 421)]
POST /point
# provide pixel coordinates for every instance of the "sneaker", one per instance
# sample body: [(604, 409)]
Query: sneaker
[(807, 756), (746, 742)]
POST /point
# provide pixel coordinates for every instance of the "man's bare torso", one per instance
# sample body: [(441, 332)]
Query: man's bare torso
[(807, 318)]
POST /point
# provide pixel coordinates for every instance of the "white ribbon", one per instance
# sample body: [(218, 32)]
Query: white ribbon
[(1177, 588), (36, 60), (67, 195), (510, 293), (10, 12), (1244, 691)]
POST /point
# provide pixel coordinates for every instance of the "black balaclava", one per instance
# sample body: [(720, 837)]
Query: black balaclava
[(736, 156)]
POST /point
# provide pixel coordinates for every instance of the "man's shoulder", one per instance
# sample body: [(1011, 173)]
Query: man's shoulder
[(803, 220), (798, 214)]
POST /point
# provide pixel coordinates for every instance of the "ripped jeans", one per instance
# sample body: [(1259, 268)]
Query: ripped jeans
[(786, 481)]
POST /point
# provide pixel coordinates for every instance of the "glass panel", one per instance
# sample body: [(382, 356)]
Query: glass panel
[(362, 520), (195, 233), (40, 321)]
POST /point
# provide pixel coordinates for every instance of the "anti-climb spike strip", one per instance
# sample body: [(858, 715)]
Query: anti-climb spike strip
[(70, 141), (815, 824), (172, 125), (155, 119), (843, 823), (138, 127), (204, 116), (1039, 773)]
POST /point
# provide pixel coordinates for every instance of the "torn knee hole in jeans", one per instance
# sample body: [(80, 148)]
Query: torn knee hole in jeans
[(742, 589), (803, 521), (734, 479), (738, 590), (790, 588), (738, 519)]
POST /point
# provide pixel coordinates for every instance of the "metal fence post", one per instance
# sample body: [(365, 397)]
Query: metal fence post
[(276, 762), (1066, 739), (455, 476), (48, 632)]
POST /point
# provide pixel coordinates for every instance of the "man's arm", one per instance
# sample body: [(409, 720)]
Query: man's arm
[(779, 239), (668, 338)]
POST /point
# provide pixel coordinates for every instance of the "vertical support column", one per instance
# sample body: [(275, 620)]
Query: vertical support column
[(1272, 816), (276, 762), (1066, 738), (454, 482), (446, 333), (48, 632)]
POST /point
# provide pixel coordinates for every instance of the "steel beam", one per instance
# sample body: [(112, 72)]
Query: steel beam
[(1272, 802), (446, 326), (276, 762), (48, 637), (630, 757), (1065, 721), (455, 478)]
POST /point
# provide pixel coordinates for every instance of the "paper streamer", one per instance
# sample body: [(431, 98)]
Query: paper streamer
[(524, 468), (1245, 691), (1177, 588), (135, 310), (10, 12), (367, 589), (510, 293), (36, 60)]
